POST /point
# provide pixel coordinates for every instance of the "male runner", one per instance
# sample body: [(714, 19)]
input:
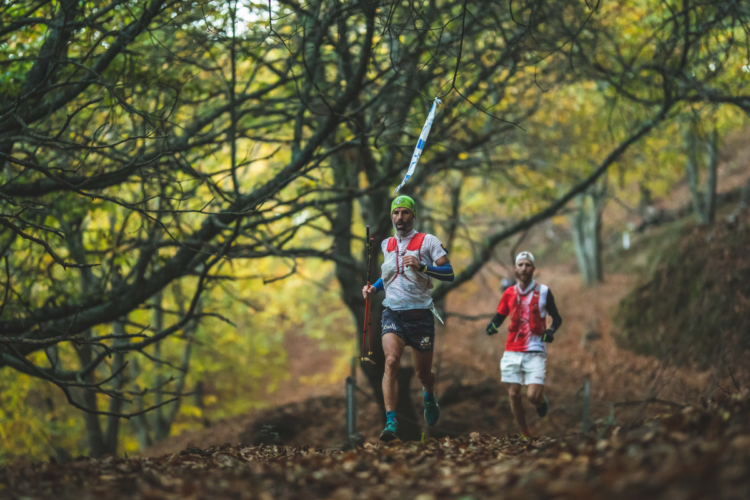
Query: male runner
[(528, 303), (411, 261)]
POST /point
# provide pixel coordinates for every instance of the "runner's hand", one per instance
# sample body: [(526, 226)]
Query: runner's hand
[(411, 261), (549, 336), (491, 329), (368, 291)]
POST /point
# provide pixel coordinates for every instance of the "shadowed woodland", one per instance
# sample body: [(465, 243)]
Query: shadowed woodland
[(184, 190)]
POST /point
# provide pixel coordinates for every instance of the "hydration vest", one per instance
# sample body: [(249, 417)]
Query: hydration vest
[(393, 264), (537, 324)]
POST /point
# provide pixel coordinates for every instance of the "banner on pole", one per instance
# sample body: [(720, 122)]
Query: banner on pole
[(420, 144)]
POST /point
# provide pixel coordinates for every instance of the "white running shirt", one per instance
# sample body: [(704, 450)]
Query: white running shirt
[(403, 294)]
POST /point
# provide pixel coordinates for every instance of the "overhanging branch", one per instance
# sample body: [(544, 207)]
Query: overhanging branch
[(497, 238)]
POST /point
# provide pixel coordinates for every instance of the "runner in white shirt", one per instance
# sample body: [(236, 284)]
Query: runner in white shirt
[(411, 261)]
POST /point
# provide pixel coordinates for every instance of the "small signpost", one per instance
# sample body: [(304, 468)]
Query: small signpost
[(351, 404)]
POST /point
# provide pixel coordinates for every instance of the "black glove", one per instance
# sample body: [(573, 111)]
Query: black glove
[(548, 336), (491, 329)]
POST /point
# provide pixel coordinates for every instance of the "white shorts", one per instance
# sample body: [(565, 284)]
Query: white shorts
[(523, 367)]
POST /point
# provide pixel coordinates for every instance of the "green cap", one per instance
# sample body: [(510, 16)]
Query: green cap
[(404, 202)]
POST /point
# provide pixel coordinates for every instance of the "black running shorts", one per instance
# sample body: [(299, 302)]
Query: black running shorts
[(416, 327)]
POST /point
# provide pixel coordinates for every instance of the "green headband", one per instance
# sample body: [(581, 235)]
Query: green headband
[(404, 202)]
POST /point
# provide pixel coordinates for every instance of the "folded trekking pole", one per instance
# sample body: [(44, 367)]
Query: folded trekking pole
[(367, 328)]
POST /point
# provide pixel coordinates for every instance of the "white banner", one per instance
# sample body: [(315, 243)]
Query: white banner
[(420, 144)]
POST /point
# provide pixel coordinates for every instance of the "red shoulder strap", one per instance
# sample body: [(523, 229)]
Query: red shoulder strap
[(392, 246), (416, 242), (535, 296)]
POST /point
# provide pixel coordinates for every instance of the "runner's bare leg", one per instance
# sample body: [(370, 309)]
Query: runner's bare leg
[(516, 404), (423, 366), (393, 347), (535, 393)]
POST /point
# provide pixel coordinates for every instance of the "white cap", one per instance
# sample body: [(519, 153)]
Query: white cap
[(525, 255)]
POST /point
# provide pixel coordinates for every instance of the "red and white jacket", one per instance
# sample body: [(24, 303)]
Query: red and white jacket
[(528, 311)]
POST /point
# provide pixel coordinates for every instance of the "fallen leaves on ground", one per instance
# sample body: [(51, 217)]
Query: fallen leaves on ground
[(692, 453)]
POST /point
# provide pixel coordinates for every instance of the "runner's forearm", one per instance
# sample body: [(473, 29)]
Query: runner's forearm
[(553, 312), (442, 273), (498, 319), (379, 285)]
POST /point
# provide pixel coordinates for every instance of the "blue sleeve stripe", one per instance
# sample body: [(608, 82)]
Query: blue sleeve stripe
[(443, 273)]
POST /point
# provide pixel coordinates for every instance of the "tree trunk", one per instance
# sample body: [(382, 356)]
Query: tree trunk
[(352, 275), (587, 233), (704, 199), (451, 229), (201, 403), (692, 169), (158, 419), (157, 426), (94, 434), (74, 238), (712, 161), (140, 423), (744, 197), (115, 404), (173, 409)]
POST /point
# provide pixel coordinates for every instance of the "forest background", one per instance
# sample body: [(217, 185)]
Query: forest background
[(185, 183)]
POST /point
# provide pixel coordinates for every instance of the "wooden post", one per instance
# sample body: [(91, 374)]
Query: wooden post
[(586, 416), (351, 403)]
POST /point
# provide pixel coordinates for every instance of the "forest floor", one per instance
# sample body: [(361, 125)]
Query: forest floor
[(693, 452)]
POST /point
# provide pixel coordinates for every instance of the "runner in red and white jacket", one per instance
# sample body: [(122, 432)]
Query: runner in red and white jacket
[(524, 363)]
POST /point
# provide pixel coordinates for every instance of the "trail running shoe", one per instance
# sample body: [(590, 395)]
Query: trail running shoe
[(431, 410), (389, 433), (542, 409)]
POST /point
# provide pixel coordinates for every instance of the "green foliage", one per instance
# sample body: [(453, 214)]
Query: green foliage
[(239, 366), (35, 421)]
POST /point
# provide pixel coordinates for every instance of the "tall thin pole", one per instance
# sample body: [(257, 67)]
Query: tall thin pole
[(351, 402), (586, 424), (369, 307)]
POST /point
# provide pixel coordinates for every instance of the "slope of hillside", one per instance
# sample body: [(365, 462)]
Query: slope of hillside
[(695, 305)]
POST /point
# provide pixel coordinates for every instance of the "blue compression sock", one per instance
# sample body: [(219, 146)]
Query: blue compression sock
[(390, 416), (429, 398)]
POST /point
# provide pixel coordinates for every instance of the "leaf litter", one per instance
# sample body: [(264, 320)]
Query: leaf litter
[(696, 452)]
